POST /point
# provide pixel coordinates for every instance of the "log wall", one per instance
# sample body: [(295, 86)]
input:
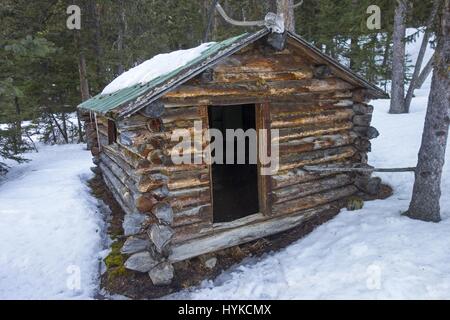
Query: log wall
[(320, 119)]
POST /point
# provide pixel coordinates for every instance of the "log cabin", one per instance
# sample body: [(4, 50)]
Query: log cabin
[(259, 80)]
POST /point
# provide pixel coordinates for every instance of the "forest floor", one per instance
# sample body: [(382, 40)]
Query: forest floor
[(52, 233)]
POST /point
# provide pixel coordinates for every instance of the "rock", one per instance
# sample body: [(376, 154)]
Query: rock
[(211, 263), (162, 274), (160, 236), (134, 245), (132, 223), (141, 262), (163, 211)]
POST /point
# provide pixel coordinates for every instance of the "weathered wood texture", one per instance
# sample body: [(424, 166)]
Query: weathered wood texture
[(320, 119)]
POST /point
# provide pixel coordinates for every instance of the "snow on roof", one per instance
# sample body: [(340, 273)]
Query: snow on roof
[(157, 66)]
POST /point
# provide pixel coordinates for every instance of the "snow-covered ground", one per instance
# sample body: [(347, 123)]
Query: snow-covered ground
[(50, 228)]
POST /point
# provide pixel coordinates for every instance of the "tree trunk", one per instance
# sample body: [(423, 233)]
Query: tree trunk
[(60, 129), (121, 36), (398, 60), (95, 12), (285, 7), (422, 51), (64, 126), (427, 186), (17, 126), (210, 23), (386, 55), (425, 73), (84, 83)]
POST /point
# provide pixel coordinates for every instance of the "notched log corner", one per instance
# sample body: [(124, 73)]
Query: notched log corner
[(322, 71), (153, 110), (277, 40)]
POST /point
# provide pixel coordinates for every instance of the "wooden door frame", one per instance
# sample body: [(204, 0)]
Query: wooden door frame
[(263, 121)]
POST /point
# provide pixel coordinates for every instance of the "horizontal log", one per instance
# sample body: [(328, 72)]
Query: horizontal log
[(122, 192), (197, 181), (188, 124), (344, 103), (185, 198), (307, 104), (257, 89), (251, 98), (126, 186), (142, 182), (296, 176), (289, 122), (183, 113), (342, 154), (317, 143), (253, 61), (319, 155), (313, 200), (215, 241), (309, 188), (308, 130), (193, 215), (191, 231), (252, 76), (135, 121), (125, 177)]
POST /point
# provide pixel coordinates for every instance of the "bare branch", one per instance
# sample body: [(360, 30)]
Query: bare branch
[(222, 12), (297, 4)]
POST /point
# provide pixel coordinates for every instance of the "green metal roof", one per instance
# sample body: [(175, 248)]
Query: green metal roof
[(129, 100), (157, 87)]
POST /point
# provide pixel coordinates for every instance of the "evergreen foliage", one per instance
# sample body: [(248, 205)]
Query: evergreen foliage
[(39, 55)]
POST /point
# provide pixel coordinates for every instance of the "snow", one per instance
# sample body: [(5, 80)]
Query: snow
[(50, 239), (157, 66)]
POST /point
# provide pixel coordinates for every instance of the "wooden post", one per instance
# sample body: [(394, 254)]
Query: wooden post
[(263, 121)]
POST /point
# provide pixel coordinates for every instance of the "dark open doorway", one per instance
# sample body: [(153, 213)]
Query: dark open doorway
[(235, 186)]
